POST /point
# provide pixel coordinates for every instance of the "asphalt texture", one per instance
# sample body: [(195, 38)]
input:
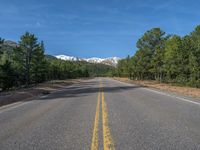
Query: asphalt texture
[(133, 117)]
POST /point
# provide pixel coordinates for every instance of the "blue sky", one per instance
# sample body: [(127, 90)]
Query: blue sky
[(102, 28)]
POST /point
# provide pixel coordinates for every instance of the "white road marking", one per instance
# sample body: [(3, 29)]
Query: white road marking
[(180, 98), (9, 105), (162, 93), (12, 106), (21, 103)]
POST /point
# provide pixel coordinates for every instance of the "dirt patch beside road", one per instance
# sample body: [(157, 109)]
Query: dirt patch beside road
[(29, 93), (188, 91)]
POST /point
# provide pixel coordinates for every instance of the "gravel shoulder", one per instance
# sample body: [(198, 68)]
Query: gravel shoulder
[(187, 91), (25, 94)]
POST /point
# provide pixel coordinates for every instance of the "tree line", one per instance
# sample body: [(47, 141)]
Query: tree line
[(165, 58), (26, 64)]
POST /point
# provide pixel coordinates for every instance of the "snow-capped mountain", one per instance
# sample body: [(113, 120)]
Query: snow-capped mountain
[(108, 61), (64, 57), (94, 60), (113, 60)]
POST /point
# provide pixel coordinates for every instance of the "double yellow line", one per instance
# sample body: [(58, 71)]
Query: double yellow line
[(108, 143)]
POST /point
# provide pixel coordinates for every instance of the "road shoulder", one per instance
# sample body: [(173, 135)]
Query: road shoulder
[(183, 91), (42, 89)]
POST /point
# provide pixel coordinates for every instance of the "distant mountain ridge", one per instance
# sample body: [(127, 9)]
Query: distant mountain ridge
[(9, 45), (112, 61)]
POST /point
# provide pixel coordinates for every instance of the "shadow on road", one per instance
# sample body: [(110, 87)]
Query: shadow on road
[(86, 88)]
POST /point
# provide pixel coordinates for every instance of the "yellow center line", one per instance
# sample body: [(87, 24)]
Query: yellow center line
[(108, 143), (95, 136), (107, 139)]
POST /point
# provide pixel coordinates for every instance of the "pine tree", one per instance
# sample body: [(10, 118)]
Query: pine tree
[(7, 74), (38, 64), (151, 45), (1, 43), (23, 54), (171, 57), (194, 57)]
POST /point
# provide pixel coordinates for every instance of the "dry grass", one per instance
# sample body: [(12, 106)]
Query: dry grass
[(188, 91), (28, 93)]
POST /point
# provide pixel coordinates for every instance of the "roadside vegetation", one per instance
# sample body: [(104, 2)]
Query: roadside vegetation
[(164, 58), (161, 57), (25, 64)]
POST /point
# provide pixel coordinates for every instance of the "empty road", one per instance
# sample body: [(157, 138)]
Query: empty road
[(102, 114)]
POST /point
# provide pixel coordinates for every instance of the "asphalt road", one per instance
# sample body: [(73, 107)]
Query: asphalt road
[(102, 114)]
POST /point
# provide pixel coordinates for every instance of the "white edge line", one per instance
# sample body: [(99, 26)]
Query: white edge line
[(9, 107), (180, 98), (21, 103), (162, 93)]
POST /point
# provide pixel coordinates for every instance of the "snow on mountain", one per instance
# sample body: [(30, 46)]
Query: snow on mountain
[(114, 60), (64, 57), (94, 60), (108, 61)]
